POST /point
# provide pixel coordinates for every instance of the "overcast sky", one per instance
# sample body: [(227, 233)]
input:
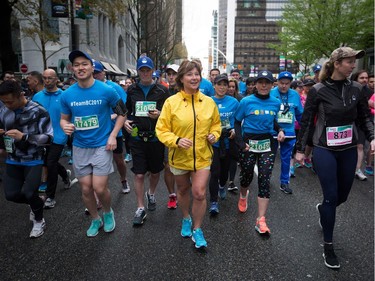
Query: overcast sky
[(197, 23)]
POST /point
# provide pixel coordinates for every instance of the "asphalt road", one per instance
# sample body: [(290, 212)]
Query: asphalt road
[(156, 251)]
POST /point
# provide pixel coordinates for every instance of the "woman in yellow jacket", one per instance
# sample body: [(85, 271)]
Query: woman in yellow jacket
[(189, 124)]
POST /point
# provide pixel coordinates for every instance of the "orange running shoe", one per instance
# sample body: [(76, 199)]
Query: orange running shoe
[(242, 203), (261, 226)]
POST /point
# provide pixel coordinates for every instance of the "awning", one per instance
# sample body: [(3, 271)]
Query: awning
[(132, 72), (109, 68), (117, 69)]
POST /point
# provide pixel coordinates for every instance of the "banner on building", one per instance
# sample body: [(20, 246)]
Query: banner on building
[(60, 8)]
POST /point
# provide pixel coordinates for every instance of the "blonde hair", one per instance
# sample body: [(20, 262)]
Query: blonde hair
[(327, 70)]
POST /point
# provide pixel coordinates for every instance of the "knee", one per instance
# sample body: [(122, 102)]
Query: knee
[(139, 177), (199, 194)]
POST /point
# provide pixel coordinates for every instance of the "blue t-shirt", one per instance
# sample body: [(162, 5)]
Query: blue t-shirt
[(51, 102), (257, 114), (90, 110), (292, 100), (227, 108), (206, 87), (120, 91), (242, 87)]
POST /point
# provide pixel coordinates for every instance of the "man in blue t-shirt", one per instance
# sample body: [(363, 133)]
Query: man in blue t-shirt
[(290, 110), (86, 110), (118, 156), (49, 98)]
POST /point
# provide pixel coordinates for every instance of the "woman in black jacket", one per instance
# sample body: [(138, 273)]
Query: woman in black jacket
[(337, 104)]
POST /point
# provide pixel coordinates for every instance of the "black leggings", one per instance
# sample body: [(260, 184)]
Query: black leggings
[(21, 185), (219, 172), (265, 165), (335, 170)]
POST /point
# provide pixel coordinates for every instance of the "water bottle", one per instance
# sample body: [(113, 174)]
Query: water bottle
[(134, 132)]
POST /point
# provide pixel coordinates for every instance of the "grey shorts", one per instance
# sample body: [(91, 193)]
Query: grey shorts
[(96, 161)]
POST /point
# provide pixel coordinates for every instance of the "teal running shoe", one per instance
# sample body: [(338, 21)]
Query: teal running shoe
[(186, 227), (94, 227), (198, 238), (109, 221)]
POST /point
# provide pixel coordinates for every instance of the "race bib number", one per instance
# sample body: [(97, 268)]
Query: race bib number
[(86, 122), (285, 118), (260, 146), (8, 141), (225, 124), (340, 135), (142, 108)]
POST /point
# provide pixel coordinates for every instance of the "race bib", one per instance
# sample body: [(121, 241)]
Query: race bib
[(225, 123), (260, 146), (86, 122), (142, 108), (340, 135), (285, 118), (8, 141)]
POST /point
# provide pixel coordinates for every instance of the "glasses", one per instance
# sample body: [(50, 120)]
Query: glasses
[(48, 78)]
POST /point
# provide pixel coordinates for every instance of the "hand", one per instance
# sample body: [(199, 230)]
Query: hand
[(281, 136), (68, 128), (232, 134), (247, 147), (211, 138), (184, 143), (111, 143), (2, 131), (14, 134), (128, 126), (154, 113)]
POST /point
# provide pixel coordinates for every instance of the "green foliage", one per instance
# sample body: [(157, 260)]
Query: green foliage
[(312, 29)]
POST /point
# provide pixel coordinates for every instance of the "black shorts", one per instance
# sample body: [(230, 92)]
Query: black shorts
[(120, 145), (147, 156)]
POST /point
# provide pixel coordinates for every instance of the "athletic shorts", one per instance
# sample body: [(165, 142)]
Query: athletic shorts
[(92, 161), (179, 172), (147, 157)]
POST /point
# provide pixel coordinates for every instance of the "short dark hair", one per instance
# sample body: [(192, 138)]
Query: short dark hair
[(10, 87), (37, 75), (214, 69), (7, 72), (250, 80)]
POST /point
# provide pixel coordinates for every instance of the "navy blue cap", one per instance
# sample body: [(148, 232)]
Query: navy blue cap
[(265, 74), (77, 53), (145, 62), (317, 67), (285, 75), (98, 66)]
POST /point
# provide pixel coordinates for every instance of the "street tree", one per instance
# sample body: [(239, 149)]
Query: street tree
[(312, 29)]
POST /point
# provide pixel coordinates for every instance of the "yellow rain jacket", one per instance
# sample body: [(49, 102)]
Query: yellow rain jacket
[(193, 117)]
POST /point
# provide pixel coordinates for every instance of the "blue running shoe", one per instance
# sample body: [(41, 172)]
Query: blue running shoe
[(292, 171), (43, 187), (369, 171), (70, 161), (214, 209), (109, 221), (198, 238), (222, 193), (94, 227), (128, 158), (186, 227)]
